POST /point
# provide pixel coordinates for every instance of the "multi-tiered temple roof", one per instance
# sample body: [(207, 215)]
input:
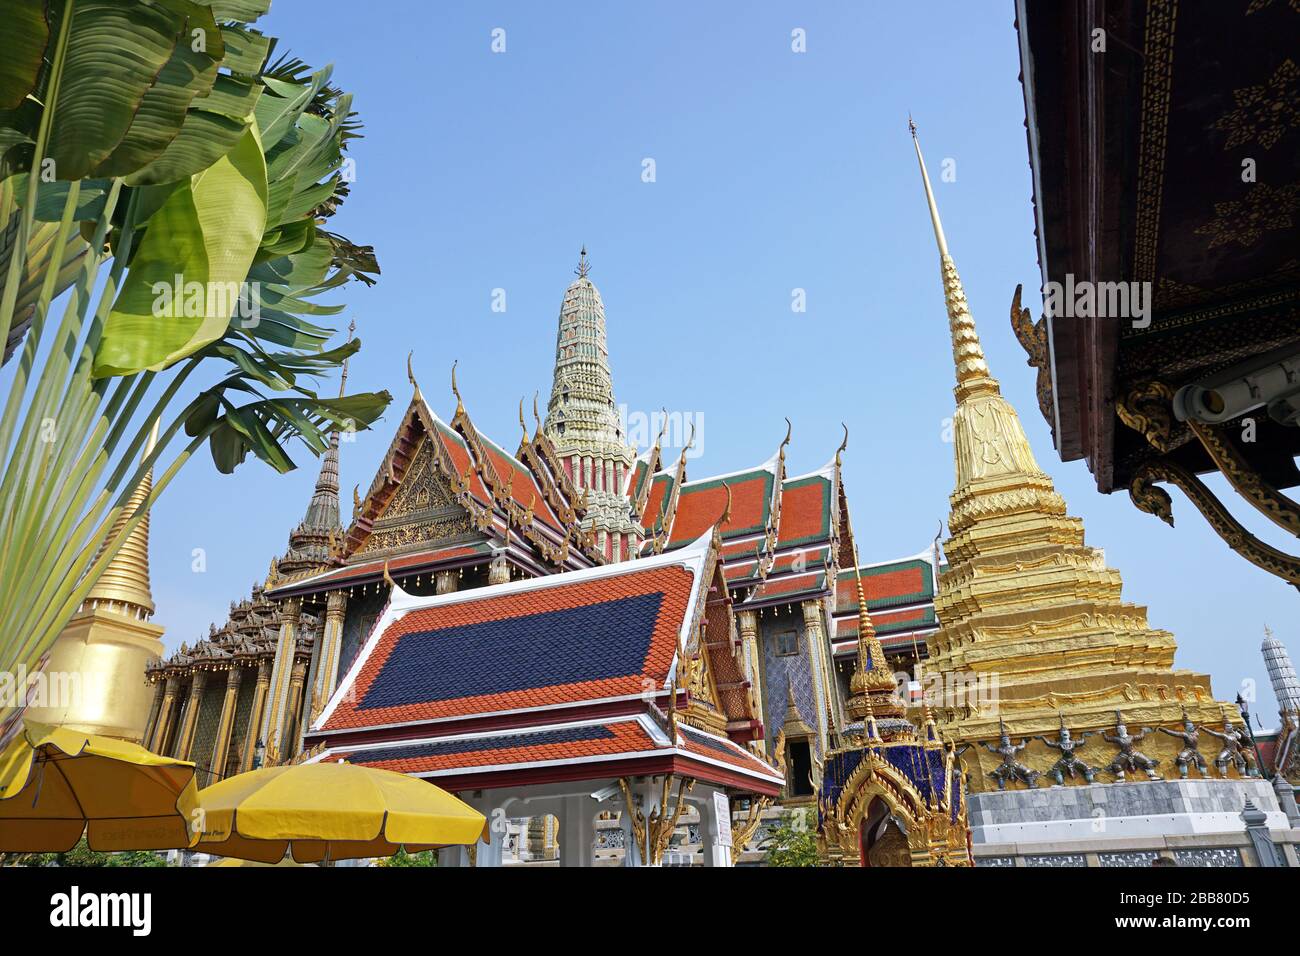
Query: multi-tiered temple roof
[(611, 671)]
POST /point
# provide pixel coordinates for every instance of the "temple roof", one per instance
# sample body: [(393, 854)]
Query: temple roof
[(900, 600), (591, 635), (585, 747), (613, 669), (753, 499), (505, 495)]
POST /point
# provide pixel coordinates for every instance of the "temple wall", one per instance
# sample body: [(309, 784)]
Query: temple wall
[(1194, 822), (778, 667), (205, 730), (362, 612), (243, 710)]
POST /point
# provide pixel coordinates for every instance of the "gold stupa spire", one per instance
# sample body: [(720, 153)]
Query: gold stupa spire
[(1026, 609), (125, 582), (973, 375)]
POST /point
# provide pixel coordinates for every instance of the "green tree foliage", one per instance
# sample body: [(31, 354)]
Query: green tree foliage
[(152, 139), (402, 858), (83, 855), (792, 842)]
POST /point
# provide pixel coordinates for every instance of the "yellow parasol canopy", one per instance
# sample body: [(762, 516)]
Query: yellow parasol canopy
[(56, 782), (335, 811)]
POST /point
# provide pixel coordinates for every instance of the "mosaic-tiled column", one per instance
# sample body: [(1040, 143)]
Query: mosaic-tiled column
[(155, 713), (327, 664), (812, 625), (186, 739), (260, 692), (747, 624), (222, 745), (293, 722), (276, 719)]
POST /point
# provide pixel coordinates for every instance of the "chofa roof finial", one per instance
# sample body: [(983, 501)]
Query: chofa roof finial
[(843, 445), (521, 420), (410, 374), (460, 405)]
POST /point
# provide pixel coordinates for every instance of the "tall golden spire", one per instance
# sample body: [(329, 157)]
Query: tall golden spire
[(973, 376), (989, 441), (125, 582), (1027, 609)]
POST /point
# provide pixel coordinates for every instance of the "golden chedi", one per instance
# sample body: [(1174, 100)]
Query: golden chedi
[(94, 679), (1033, 629)]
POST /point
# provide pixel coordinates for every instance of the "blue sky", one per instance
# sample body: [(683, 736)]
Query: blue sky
[(774, 171)]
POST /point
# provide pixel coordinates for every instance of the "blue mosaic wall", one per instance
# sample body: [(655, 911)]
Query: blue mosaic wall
[(361, 614), (778, 667)]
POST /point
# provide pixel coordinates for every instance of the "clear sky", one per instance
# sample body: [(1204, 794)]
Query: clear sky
[(774, 171)]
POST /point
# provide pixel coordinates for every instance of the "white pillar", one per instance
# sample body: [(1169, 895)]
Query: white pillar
[(577, 831)]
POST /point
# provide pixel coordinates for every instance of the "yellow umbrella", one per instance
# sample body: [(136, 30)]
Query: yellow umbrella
[(334, 811), (56, 782), (235, 861)]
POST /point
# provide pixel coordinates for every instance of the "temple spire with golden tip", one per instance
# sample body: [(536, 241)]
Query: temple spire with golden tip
[(973, 377), (125, 582), (872, 685)]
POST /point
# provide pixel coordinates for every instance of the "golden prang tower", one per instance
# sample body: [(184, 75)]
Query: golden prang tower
[(1033, 629)]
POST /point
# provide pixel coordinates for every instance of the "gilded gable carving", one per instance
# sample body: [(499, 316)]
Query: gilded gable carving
[(422, 510)]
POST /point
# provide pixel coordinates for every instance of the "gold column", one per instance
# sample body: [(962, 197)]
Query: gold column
[(155, 710), (445, 582), (222, 747), (747, 624), (327, 665), (166, 713), (186, 739), (812, 625), (255, 716), (293, 725), (277, 703)]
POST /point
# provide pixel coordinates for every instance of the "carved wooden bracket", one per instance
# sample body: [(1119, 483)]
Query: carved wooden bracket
[(1156, 501)]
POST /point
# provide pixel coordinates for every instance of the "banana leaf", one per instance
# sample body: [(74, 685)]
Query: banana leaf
[(206, 233)]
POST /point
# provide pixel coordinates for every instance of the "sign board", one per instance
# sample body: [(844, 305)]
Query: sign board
[(722, 810)]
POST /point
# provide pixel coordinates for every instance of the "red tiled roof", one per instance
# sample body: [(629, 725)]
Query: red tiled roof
[(520, 746), (711, 747), (885, 585), (660, 489), (805, 511), (789, 585), (458, 454), (354, 572), (565, 744), (565, 639), (701, 504), (522, 485)]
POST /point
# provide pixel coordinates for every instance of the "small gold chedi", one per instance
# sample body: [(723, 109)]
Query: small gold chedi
[(94, 680)]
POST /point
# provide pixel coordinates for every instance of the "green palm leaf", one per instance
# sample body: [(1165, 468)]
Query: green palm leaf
[(207, 232), (25, 33), (115, 51)]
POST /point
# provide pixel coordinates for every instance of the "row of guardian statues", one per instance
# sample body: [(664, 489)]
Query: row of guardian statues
[(1236, 752)]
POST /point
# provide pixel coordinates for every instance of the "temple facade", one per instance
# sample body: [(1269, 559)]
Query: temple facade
[(450, 509)]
